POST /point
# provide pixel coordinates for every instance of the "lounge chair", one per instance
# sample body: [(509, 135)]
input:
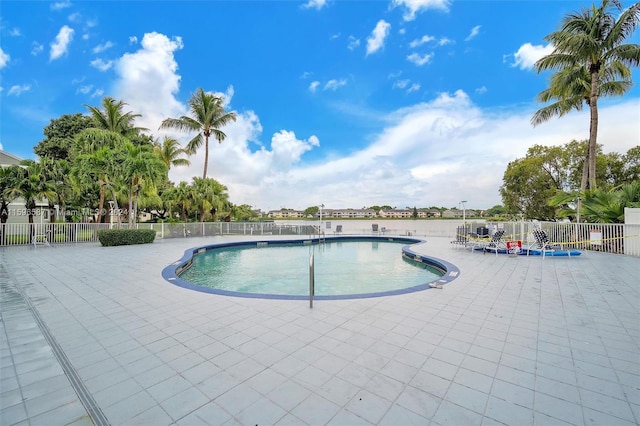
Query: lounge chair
[(496, 244), (542, 243), (338, 229), (374, 228)]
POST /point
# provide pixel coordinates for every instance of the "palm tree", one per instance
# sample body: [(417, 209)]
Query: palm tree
[(180, 196), (210, 197), (29, 183), (170, 152), (8, 177), (112, 118), (140, 167), (590, 43), (208, 116), (570, 89)]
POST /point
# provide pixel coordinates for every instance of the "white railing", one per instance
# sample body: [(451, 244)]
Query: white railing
[(610, 238), (614, 238)]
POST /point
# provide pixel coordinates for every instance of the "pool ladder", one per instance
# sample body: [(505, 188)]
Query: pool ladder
[(311, 281)]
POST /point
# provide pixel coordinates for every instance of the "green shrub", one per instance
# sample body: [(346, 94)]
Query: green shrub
[(121, 237)]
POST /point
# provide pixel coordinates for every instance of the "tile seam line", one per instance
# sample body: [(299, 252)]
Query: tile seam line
[(3, 271), (78, 385)]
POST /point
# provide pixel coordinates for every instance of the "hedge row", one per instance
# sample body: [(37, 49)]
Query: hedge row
[(121, 237)]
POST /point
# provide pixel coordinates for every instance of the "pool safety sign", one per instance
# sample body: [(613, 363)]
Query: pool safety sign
[(514, 247), (595, 237)]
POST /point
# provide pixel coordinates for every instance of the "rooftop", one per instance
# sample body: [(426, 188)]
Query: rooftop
[(95, 335)]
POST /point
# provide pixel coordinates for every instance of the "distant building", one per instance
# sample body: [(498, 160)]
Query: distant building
[(347, 213)]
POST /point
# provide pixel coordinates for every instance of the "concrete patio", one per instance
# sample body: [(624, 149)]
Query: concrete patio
[(95, 335)]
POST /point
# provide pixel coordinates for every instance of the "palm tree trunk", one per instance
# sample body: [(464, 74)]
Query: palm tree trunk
[(134, 210), (130, 221), (585, 172), (99, 219), (593, 129), (206, 156)]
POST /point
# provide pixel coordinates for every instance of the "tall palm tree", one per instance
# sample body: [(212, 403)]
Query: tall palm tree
[(591, 39), (208, 116), (570, 89), (170, 152)]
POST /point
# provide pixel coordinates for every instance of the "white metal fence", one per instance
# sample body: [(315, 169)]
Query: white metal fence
[(610, 238)]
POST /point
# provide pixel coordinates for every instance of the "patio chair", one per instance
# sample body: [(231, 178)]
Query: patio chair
[(496, 242), (41, 239), (542, 243), (374, 228), (338, 229)]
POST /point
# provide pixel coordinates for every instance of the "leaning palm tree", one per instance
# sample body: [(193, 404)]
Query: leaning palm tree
[(592, 39), (208, 116)]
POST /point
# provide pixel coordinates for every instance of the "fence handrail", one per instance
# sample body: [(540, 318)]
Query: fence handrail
[(606, 237)]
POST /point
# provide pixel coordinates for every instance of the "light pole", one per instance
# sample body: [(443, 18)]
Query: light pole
[(320, 226), (464, 216)]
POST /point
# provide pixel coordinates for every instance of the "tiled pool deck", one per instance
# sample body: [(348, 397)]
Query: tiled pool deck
[(516, 341)]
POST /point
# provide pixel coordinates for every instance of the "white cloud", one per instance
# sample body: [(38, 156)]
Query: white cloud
[(315, 4), (15, 32), (474, 32), (4, 58), (102, 47), (36, 48), (75, 17), (147, 80), (418, 59), (414, 88), (401, 84), (306, 75), (60, 46), (98, 93), (413, 7), (335, 36), (18, 90), (133, 40), (481, 90), (85, 89), (353, 42), (444, 41), (60, 5), (314, 86), (528, 54), (419, 41), (437, 152), (334, 84), (376, 40), (101, 65)]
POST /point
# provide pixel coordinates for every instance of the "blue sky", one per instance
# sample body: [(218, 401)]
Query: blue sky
[(341, 103)]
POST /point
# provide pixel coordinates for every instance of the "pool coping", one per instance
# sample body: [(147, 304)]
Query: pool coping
[(450, 272)]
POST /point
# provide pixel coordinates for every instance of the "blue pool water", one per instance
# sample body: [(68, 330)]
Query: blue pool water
[(343, 267)]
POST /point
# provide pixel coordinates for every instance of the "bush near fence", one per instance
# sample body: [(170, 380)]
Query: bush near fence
[(122, 237)]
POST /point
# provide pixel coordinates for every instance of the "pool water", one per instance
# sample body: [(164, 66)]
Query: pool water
[(341, 268)]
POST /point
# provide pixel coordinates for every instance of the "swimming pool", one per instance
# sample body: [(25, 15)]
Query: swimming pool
[(345, 267)]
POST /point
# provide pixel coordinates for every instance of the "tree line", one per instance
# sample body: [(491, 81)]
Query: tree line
[(102, 163)]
